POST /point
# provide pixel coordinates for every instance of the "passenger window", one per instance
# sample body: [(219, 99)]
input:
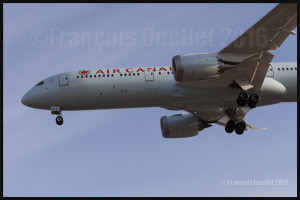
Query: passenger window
[(107, 75), (291, 68), (99, 75), (91, 76), (112, 75), (95, 76), (125, 74), (86, 76), (103, 75), (295, 68), (81, 76), (287, 68), (133, 74), (159, 73), (282, 69), (129, 74), (138, 74), (278, 69), (168, 72), (120, 74)]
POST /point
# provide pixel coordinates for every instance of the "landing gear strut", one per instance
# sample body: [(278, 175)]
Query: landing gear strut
[(245, 98), (239, 127)]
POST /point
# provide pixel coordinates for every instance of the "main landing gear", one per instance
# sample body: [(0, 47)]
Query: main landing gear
[(251, 99), (238, 127), (55, 110)]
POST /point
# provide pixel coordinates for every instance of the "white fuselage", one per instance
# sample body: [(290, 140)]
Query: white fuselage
[(150, 87)]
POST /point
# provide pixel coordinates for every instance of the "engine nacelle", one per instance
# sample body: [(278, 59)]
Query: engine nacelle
[(195, 67), (181, 126)]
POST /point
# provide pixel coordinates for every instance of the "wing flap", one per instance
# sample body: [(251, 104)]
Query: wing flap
[(254, 70)]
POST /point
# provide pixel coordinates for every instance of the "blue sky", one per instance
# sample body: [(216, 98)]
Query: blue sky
[(121, 152)]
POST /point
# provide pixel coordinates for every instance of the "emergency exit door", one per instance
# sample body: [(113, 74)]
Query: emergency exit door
[(270, 72)]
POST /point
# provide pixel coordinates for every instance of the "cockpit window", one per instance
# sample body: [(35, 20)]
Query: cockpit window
[(40, 83)]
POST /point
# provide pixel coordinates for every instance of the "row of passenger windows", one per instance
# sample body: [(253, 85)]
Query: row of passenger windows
[(112, 75), (291, 68), (107, 75)]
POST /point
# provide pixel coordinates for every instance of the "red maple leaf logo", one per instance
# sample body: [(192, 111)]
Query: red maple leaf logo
[(84, 72)]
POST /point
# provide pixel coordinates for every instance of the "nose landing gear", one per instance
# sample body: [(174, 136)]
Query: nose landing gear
[(55, 110), (59, 120)]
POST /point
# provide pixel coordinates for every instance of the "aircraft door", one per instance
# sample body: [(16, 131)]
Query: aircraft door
[(63, 80), (149, 75), (270, 72)]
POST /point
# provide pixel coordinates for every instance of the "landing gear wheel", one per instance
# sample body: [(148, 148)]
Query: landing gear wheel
[(229, 128), (241, 102), (59, 120), (240, 128), (239, 132), (252, 105), (244, 96), (240, 125), (254, 98)]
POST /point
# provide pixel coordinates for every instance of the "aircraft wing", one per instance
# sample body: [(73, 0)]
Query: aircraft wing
[(246, 60), (268, 33), (221, 116)]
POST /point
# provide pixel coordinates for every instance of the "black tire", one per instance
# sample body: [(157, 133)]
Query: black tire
[(254, 98), (239, 131), (241, 102), (240, 126), (252, 105), (229, 128), (59, 120), (244, 96), (231, 123)]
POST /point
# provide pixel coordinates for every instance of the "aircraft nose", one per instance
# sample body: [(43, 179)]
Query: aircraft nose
[(25, 100)]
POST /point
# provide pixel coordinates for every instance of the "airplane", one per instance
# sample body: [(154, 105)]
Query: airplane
[(218, 88)]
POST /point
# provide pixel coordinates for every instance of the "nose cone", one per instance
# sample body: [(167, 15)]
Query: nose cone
[(25, 100)]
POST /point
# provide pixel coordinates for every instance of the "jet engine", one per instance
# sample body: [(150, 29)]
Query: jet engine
[(196, 67), (181, 126)]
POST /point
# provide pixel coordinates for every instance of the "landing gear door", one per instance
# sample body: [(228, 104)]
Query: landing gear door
[(149, 75), (270, 72), (63, 80)]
